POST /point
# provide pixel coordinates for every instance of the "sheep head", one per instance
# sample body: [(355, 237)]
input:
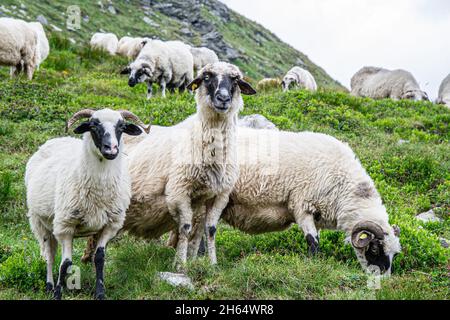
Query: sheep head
[(106, 127), (375, 246), (220, 83)]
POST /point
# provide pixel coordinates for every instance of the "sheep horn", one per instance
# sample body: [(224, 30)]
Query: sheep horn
[(85, 113), (128, 115), (370, 227)]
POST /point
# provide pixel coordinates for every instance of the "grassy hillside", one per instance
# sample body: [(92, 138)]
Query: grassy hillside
[(198, 22), (412, 177)]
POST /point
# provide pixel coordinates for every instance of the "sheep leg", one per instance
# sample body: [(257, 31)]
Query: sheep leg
[(66, 241), (15, 70), (197, 231), (306, 223), (163, 88), (50, 245), (29, 71), (182, 212), (107, 234), (149, 90), (212, 218)]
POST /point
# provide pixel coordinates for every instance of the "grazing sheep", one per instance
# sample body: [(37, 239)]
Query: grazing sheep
[(378, 83), (130, 47), (43, 45), (313, 180), (256, 121), (444, 92), (105, 41), (268, 84), (182, 175), (78, 188), (299, 77), (18, 46), (170, 64), (203, 56)]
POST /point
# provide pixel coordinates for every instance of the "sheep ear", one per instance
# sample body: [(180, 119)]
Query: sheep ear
[(127, 70), (132, 129), (246, 88), (82, 128), (195, 83)]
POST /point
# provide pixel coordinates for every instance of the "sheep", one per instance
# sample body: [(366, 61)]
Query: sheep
[(170, 64), (130, 47), (316, 181), (80, 187), (202, 56), (299, 77), (182, 175), (379, 83), (444, 92), (43, 45), (18, 46), (268, 84), (256, 121), (105, 41)]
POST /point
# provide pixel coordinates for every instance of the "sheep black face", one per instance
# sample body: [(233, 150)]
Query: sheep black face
[(138, 73), (220, 82), (106, 127), (374, 247), (287, 82)]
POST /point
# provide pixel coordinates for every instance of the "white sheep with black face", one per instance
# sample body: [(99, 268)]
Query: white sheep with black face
[(80, 187), (300, 78), (182, 175), (379, 83), (105, 41), (315, 181), (170, 64)]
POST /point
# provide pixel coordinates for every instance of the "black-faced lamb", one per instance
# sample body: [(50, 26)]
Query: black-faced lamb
[(170, 64), (80, 187)]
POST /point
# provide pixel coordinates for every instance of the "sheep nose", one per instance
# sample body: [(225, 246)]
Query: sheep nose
[(223, 97), (131, 82), (110, 149)]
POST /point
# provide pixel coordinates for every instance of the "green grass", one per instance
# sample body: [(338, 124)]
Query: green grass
[(411, 177)]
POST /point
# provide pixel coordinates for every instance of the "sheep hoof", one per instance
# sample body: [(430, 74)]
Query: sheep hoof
[(49, 287), (313, 244), (58, 292), (100, 291)]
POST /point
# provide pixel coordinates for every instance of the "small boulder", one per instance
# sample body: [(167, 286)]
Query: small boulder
[(42, 19), (428, 216), (444, 242), (176, 279)]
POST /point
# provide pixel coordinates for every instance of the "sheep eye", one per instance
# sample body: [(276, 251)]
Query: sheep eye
[(206, 77)]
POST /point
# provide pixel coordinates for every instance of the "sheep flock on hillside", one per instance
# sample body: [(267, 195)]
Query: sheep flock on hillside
[(184, 179)]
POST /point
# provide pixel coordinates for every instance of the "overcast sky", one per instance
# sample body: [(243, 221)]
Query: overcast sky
[(343, 35)]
